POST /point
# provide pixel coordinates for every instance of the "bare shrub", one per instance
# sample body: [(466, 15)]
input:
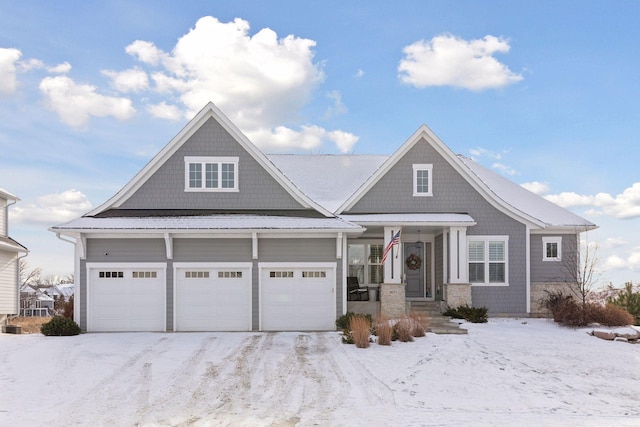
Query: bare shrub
[(402, 329), (384, 330), (612, 315), (419, 324), (360, 330)]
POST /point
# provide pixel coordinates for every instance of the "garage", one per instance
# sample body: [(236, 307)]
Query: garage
[(297, 297), (126, 297), (213, 297)]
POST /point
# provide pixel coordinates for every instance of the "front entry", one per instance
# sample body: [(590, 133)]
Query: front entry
[(415, 266)]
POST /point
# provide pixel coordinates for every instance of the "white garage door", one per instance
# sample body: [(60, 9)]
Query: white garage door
[(122, 297), (298, 298), (213, 298)]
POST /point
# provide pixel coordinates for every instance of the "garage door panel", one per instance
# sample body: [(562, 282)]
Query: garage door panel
[(298, 298), (221, 301), (121, 300)]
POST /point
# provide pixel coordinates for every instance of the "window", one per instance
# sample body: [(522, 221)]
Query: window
[(487, 258), (196, 274), (281, 274), (111, 274), (144, 275), (229, 274), (211, 173), (422, 180), (314, 274), (365, 263), (551, 248)]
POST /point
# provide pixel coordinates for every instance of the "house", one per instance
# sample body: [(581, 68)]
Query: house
[(212, 234), (10, 254), (35, 302), (62, 291)]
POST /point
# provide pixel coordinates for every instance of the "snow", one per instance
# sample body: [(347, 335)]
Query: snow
[(506, 372)]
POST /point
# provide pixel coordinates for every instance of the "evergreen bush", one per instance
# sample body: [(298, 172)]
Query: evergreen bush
[(60, 326), (470, 314)]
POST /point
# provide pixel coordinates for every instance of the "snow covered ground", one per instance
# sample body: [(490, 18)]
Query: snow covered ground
[(506, 372)]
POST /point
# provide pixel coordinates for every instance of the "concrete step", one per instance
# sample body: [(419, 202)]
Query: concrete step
[(438, 324)]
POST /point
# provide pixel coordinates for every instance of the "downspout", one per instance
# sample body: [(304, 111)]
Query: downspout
[(76, 274)]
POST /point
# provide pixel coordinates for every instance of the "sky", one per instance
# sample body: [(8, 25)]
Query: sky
[(545, 93)]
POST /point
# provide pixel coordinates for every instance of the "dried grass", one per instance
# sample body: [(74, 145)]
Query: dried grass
[(419, 324), (612, 315), (384, 331), (30, 325), (403, 328), (360, 330)]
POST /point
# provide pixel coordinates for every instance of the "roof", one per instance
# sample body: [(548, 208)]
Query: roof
[(523, 200), (6, 195), (209, 222), (328, 179), (7, 243), (412, 219)]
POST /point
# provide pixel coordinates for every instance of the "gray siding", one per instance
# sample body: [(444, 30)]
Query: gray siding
[(552, 271), (393, 193), (165, 188), (212, 250), (8, 285)]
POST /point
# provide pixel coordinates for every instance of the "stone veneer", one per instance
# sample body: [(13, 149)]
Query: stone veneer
[(457, 294), (392, 300), (539, 292)]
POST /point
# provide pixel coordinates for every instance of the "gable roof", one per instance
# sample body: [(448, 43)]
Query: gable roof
[(8, 196), (504, 195), (209, 111)]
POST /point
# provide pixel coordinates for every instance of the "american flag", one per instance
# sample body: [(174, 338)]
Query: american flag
[(394, 242)]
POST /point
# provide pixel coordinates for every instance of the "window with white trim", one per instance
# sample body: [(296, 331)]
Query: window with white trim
[(552, 249), (111, 274), (422, 180), (144, 274), (487, 257), (365, 262), (314, 274), (211, 173), (196, 274), (229, 274), (281, 274)]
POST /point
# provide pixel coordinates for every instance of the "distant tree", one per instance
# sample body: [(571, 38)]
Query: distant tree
[(629, 299), (28, 275)]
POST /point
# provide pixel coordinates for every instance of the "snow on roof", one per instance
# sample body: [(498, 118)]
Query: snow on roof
[(525, 201), (209, 222), (411, 219), (328, 179)]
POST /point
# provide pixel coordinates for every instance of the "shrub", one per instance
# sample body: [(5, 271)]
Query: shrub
[(60, 326), (419, 324), (470, 314), (402, 330), (629, 300), (360, 328), (384, 331), (612, 315), (343, 321)]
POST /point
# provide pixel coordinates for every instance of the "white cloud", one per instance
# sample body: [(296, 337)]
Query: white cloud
[(359, 73), (310, 138), (508, 170), (447, 60), (146, 52), (628, 261), (623, 206), (76, 103), (613, 242), (30, 64), (338, 106), (165, 111), (132, 80), (51, 209), (536, 187), (63, 68), (8, 60)]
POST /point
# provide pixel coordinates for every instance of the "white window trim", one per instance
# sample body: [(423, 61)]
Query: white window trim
[(554, 239), (429, 169), (204, 160), (486, 240)]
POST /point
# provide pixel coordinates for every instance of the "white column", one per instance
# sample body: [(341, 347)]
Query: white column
[(458, 255), (393, 264)]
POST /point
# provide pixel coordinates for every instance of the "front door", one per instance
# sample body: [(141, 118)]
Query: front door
[(414, 269)]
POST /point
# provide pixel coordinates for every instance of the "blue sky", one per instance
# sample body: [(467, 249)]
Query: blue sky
[(546, 93)]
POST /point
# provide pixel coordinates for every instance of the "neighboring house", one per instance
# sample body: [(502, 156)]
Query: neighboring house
[(10, 253), (35, 302), (62, 290), (214, 235)]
